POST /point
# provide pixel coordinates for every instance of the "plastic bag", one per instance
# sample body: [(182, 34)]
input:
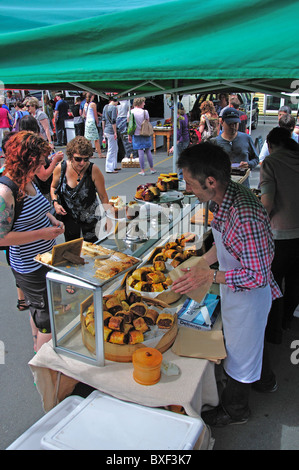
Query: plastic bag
[(131, 124)]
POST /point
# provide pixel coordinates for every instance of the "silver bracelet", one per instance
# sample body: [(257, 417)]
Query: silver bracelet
[(214, 277)]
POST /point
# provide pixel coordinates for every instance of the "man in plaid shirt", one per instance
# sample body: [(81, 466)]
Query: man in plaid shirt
[(244, 249)]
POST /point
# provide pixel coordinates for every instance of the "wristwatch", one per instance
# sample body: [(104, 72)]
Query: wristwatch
[(55, 200)]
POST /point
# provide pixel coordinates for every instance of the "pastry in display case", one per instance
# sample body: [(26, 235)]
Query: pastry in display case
[(153, 278), (129, 322)]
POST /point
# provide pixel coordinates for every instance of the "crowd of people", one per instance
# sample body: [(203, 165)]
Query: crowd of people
[(256, 242)]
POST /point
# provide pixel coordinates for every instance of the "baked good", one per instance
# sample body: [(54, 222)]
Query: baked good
[(126, 315), (113, 305), (140, 325), (147, 195), (133, 297), (155, 277), (162, 185), (132, 210), (116, 323), (141, 273), (159, 266), (45, 258), (118, 337), (170, 253), (106, 317), (139, 191), (151, 316), (138, 308), (158, 287), (165, 320), (135, 337), (143, 286), (160, 256), (107, 333), (178, 259), (91, 328)]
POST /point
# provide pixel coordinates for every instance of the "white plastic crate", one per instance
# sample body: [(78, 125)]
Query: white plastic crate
[(102, 422), (31, 439)]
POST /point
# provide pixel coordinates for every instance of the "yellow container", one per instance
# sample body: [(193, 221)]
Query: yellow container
[(147, 366)]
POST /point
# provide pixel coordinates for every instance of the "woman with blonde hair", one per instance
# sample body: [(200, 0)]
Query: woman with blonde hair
[(141, 142), (209, 121), (91, 122)]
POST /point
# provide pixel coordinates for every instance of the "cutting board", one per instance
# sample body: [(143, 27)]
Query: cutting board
[(60, 253)]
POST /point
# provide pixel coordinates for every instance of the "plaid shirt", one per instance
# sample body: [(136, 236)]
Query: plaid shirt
[(247, 236)]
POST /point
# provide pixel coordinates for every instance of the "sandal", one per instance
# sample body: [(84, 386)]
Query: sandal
[(70, 289), (21, 305)]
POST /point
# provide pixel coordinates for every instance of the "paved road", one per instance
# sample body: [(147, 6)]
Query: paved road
[(275, 422)]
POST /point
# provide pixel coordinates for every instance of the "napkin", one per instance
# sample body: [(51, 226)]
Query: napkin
[(199, 293), (200, 344)]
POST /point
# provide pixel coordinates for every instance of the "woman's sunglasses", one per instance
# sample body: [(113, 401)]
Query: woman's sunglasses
[(79, 159)]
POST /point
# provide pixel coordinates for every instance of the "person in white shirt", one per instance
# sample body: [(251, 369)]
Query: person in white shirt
[(287, 122)]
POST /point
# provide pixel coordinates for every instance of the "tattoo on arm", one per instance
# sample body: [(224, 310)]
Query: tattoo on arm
[(6, 217)]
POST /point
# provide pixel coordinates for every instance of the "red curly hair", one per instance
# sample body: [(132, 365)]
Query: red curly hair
[(24, 153)]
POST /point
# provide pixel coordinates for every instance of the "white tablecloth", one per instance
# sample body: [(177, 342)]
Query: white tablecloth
[(194, 387)]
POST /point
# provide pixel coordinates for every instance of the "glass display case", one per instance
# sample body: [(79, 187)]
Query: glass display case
[(70, 300), (74, 292)]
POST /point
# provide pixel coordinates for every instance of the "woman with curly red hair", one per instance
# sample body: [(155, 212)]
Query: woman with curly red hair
[(209, 121), (35, 229)]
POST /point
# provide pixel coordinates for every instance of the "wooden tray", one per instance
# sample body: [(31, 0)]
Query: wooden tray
[(124, 352)]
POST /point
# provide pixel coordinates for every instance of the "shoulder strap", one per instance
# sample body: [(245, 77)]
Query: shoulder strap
[(15, 190), (63, 170)]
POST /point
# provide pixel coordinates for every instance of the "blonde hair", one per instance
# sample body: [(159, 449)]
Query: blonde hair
[(138, 101), (33, 102)]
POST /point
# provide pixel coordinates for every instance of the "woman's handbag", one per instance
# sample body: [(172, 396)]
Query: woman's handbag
[(131, 124), (146, 128)]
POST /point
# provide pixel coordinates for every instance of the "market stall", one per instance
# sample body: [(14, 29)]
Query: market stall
[(186, 382)]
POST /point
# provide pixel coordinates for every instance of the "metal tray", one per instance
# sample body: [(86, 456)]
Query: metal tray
[(86, 272)]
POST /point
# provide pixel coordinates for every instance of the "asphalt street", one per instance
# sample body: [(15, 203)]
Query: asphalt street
[(274, 423)]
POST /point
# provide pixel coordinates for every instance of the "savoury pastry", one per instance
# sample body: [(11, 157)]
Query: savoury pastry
[(140, 325), (151, 316), (155, 277), (107, 333), (116, 323), (118, 337), (45, 258), (135, 337), (138, 308), (165, 320)]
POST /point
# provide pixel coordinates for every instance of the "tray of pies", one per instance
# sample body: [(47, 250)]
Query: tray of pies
[(152, 278), (130, 322), (91, 263)]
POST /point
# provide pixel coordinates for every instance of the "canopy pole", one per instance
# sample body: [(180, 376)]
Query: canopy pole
[(175, 131), (251, 106)]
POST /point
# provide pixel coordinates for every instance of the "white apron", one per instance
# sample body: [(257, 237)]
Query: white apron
[(244, 318)]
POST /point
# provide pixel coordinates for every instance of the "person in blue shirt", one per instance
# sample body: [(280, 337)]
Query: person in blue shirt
[(60, 115)]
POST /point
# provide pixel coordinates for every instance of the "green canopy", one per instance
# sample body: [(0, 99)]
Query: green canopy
[(162, 46)]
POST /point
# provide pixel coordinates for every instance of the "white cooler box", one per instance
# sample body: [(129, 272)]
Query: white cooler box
[(101, 422)]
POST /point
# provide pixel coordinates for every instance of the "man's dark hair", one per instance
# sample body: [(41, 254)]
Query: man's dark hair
[(206, 159), (281, 137), (288, 122)]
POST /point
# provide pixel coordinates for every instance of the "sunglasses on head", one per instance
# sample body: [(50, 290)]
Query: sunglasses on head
[(79, 159)]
